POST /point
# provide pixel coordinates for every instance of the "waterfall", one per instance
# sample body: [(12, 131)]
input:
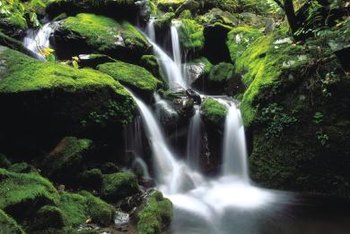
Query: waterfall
[(170, 68), (38, 41), (234, 145), (176, 44), (194, 140)]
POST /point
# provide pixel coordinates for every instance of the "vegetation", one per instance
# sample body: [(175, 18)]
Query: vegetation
[(119, 185), (214, 112)]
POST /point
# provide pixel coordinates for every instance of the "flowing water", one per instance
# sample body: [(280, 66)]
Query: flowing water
[(38, 41), (194, 140)]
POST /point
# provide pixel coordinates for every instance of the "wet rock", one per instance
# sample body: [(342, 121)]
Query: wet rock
[(93, 60)]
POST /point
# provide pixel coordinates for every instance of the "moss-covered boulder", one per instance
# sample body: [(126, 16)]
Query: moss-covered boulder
[(8, 225), (119, 185), (79, 207), (297, 103), (89, 33), (133, 76), (191, 35), (91, 179), (92, 60), (214, 112), (198, 71), (23, 194), (239, 39), (151, 64), (56, 100), (167, 5), (155, 215), (49, 217), (119, 9), (22, 167), (65, 161)]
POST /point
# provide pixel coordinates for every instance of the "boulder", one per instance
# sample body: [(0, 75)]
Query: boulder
[(56, 100), (151, 64), (214, 113), (8, 225), (191, 36), (88, 33), (119, 185), (155, 214), (135, 77), (198, 71)]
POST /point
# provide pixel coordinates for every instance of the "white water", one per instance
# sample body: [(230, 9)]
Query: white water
[(234, 145), (170, 68), (194, 140), (38, 41), (176, 44)]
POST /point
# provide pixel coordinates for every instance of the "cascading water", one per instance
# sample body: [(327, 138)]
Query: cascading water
[(176, 44), (194, 140), (38, 41), (234, 147), (170, 68)]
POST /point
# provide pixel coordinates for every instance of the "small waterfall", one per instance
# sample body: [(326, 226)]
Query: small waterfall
[(176, 44), (150, 31), (171, 69), (140, 163), (194, 140), (38, 41), (234, 147)]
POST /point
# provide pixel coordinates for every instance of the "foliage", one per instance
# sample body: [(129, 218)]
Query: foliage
[(119, 185), (22, 13), (156, 213), (275, 119)]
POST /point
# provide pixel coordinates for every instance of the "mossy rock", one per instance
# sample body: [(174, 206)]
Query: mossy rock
[(217, 15), (23, 194), (297, 104), (214, 112), (91, 179), (239, 39), (89, 33), (49, 217), (166, 5), (191, 35), (133, 76), (57, 100), (65, 161), (119, 185), (120, 9), (79, 207), (150, 63), (4, 162), (155, 215), (162, 22), (198, 71), (8, 225), (22, 167)]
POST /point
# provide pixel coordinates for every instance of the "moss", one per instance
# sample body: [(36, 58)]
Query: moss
[(65, 161), (203, 60), (214, 112), (49, 217), (169, 4), (101, 32), (156, 214), (262, 64), (150, 62), (117, 186), (239, 39), (22, 167), (131, 75), (163, 21), (22, 194), (4, 162), (26, 74), (8, 225), (191, 35), (221, 72), (80, 207), (91, 179)]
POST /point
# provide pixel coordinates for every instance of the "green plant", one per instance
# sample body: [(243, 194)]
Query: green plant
[(275, 119), (322, 137), (318, 117)]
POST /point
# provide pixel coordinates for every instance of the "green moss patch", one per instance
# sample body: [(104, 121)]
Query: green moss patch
[(191, 35), (22, 194), (8, 225), (131, 75), (119, 185), (239, 39), (156, 214), (214, 112)]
